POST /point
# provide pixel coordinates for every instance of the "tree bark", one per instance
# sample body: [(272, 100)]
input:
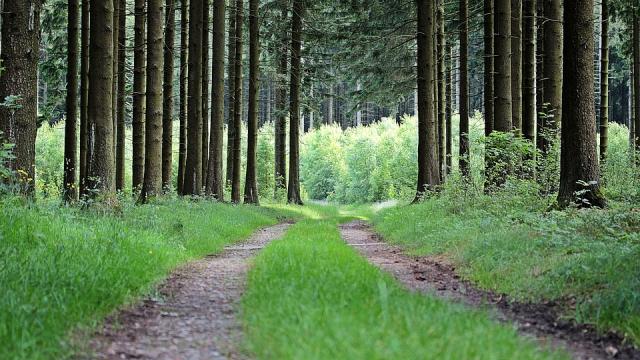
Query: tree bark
[(237, 104), (516, 64), (84, 98), (604, 82), (448, 111), (205, 89), (552, 71), (579, 170), (184, 77), (463, 161), (503, 100), (139, 97), (231, 76), (215, 178), (293, 193), (70, 193), (102, 173), (193, 170), (540, 80), (636, 80), (122, 84), (281, 110), (114, 85), (529, 71), (153, 126), (428, 174), (167, 102), (251, 180), (442, 126), (489, 61)]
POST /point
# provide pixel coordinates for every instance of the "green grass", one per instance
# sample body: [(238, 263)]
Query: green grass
[(509, 243), (64, 269), (310, 296)]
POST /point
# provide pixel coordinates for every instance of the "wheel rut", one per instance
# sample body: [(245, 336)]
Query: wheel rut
[(195, 316), (435, 276)]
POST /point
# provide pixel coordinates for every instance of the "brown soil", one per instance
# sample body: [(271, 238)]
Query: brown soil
[(195, 314), (436, 276)]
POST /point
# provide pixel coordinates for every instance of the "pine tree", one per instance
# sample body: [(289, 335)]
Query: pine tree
[(251, 181), (516, 64), (184, 77), (231, 76), (205, 88), (489, 62), (502, 79), (70, 135), (528, 70), (139, 95), (604, 81), (281, 111), (84, 98), (121, 93), (552, 68), (293, 191), (167, 94), (464, 87), (237, 105)]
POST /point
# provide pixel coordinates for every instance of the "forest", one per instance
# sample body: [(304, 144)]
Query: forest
[(320, 179)]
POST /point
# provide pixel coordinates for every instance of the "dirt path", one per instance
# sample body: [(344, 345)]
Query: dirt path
[(435, 276), (196, 317)]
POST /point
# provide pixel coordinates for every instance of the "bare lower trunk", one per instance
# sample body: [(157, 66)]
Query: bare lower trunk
[(293, 194), (464, 89), (184, 75), (139, 98), (70, 136), (237, 111), (167, 102), (251, 180), (604, 82)]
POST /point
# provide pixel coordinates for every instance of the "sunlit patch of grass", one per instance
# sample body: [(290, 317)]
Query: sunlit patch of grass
[(310, 296)]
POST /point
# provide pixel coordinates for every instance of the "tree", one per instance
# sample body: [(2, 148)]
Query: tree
[(441, 69), (20, 43), (139, 97), (464, 88), (251, 181), (231, 51), (579, 170), (184, 77), (114, 84), (428, 173), (215, 179), (101, 173), (167, 102), (488, 67), (636, 80), (84, 99), (205, 88), (153, 125), (121, 93), (502, 79), (604, 81), (448, 111), (293, 192), (516, 64), (70, 135), (528, 70), (552, 68), (281, 103), (237, 105), (193, 170)]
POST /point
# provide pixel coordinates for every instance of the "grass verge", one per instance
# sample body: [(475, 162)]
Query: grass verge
[(310, 296), (64, 268)]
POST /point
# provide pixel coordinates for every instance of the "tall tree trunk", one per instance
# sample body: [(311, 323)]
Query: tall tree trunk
[(237, 104), (604, 82), (503, 101), (540, 80), (428, 174), (70, 135), (20, 48), (102, 173), (184, 76), (448, 111), (442, 126), (528, 70), (489, 70), (464, 88), (579, 170), (139, 97), (215, 178), (636, 81), (516, 64), (122, 88), (167, 102), (205, 89), (153, 130), (114, 85), (231, 76), (293, 194), (193, 170), (552, 71), (84, 98), (281, 110), (251, 180)]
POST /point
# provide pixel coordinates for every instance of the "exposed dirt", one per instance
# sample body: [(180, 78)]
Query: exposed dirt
[(434, 275), (195, 315)]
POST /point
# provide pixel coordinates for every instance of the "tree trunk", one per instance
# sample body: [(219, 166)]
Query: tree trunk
[(540, 80), (552, 71), (442, 126), (448, 111), (516, 64), (193, 170), (114, 85), (579, 170), (122, 88), (464, 88), (205, 89), (167, 102), (251, 180), (503, 101), (231, 76), (70, 136), (184, 77), (20, 48), (428, 174), (102, 173), (84, 98), (528, 71), (215, 179), (293, 194), (281, 103), (636, 81), (153, 129), (139, 98), (237, 104), (489, 61), (604, 82)]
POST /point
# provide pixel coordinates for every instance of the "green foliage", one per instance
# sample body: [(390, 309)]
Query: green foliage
[(310, 296), (65, 267), (49, 160)]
